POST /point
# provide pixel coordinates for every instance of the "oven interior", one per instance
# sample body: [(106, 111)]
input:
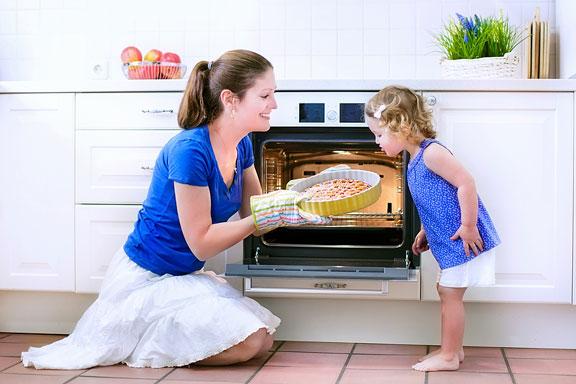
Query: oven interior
[(372, 240)]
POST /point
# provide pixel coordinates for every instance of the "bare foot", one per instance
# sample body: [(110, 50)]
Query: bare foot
[(437, 363), (460, 355)]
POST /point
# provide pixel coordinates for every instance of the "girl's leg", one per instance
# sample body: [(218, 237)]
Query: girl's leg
[(255, 345), (453, 320)]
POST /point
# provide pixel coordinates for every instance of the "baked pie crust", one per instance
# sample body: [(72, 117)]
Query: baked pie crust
[(335, 189)]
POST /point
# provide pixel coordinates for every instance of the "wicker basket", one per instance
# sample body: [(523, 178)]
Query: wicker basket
[(483, 68)]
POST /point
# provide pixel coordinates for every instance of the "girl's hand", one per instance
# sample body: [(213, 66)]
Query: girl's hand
[(420, 243), (471, 239)]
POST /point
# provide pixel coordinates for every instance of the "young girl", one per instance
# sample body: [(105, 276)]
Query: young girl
[(455, 225)]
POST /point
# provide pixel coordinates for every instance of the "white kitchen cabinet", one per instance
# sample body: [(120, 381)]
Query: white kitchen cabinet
[(519, 148), (101, 230), (124, 110), (37, 193), (118, 138), (115, 167)]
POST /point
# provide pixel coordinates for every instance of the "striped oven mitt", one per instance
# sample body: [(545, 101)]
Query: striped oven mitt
[(339, 167), (280, 209)]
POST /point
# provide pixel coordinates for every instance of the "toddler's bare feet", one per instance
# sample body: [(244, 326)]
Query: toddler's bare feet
[(437, 363), (460, 355)]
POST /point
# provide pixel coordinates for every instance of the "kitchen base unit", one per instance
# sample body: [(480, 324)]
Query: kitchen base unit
[(336, 320)]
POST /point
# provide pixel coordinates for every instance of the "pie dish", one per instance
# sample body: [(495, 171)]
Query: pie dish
[(337, 205)]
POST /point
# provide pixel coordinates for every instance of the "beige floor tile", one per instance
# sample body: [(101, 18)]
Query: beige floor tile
[(301, 375), (7, 362), (458, 377), (540, 353), (390, 349), (32, 338), (543, 366), (110, 380), (484, 364), (20, 369), (122, 370), (382, 362), (15, 349), (200, 382), (544, 379), (304, 359), (32, 379), (304, 346), (388, 376), (232, 373)]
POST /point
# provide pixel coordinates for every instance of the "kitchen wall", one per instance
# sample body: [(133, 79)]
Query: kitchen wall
[(304, 39)]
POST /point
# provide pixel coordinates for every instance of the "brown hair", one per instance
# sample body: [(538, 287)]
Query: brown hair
[(406, 114), (235, 70)]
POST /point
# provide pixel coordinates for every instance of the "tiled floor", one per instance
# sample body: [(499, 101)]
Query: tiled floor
[(310, 362)]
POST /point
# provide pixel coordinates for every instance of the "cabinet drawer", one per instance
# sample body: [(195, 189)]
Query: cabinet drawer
[(127, 110), (100, 232), (116, 166)]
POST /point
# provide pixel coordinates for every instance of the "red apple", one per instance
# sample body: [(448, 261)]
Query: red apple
[(167, 70), (170, 57), (130, 54), (153, 55)]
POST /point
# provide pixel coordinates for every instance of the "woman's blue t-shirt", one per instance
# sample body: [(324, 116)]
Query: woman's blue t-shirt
[(157, 242)]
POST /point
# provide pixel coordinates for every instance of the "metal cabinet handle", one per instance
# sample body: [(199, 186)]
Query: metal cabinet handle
[(147, 168), (431, 100), (157, 111)]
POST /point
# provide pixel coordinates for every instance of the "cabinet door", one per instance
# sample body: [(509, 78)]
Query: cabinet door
[(142, 110), (100, 232), (518, 147), (37, 193), (116, 166)]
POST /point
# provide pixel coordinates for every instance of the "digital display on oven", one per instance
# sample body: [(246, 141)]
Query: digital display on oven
[(311, 113), (352, 112)]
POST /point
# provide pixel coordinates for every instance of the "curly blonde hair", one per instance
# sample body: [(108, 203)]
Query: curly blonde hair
[(406, 113)]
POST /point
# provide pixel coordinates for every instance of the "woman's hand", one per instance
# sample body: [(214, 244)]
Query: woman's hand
[(280, 208), (420, 243), (471, 239)]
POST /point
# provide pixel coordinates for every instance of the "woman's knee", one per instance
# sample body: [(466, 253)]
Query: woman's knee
[(254, 343)]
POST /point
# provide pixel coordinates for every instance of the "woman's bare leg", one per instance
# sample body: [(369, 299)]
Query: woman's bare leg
[(253, 346), (453, 321)]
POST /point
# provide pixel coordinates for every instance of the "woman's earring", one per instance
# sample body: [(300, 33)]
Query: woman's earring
[(233, 114)]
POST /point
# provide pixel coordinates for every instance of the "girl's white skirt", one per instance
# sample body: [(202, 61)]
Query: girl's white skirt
[(147, 320)]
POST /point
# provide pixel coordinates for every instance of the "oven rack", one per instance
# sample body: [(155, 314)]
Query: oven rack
[(368, 219)]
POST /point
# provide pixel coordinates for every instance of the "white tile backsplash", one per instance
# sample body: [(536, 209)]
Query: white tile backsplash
[(304, 39)]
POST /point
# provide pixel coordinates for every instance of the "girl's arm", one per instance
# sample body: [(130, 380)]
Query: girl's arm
[(440, 161), (204, 238)]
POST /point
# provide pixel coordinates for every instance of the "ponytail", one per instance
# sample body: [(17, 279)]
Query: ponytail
[(193, 111)]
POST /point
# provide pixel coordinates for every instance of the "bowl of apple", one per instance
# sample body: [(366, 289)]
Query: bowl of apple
[(155, 65)]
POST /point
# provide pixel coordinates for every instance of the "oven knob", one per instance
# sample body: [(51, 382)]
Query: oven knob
[(332, 115)]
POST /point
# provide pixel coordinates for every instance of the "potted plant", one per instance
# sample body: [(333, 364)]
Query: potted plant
[(478, 47)]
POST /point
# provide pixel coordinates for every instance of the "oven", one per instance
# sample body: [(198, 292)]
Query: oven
[(360, 254)]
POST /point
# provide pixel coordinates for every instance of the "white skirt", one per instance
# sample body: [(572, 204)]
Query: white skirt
[(147, 320), (480, 271)]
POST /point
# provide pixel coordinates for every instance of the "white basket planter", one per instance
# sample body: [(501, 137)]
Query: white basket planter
[(483, 68)]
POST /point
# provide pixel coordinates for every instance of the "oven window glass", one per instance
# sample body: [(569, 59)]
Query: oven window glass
[(352, 112), (284, 161), (311, 113)]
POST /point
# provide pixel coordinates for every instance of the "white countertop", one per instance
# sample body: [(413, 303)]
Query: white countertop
[(505, 85)]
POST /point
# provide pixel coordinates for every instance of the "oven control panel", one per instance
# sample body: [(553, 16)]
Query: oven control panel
[(329, 109)]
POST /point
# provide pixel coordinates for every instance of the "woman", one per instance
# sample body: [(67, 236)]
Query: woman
[(157, 307)]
